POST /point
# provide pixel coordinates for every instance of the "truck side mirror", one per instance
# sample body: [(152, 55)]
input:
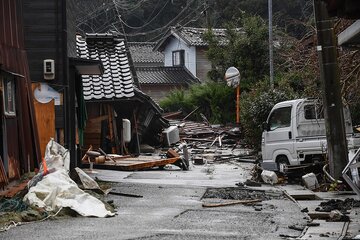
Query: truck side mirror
[(265, 126)]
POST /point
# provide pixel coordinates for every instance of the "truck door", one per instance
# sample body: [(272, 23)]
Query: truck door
[(279, 136)]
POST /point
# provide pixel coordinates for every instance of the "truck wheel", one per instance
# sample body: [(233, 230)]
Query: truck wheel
[(282, 162)]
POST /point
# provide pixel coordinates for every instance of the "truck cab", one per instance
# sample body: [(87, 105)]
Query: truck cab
[(295, 134)]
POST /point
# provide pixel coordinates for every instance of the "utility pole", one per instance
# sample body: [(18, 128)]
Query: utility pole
[(271, 46), (330, 78), (207, 14)]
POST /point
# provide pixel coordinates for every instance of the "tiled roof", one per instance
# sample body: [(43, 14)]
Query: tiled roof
[(142, 52), (165, 75), (117, 80), (193, 36)]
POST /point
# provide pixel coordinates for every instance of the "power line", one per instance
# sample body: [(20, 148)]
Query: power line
[(127, 6), (147, 23), (193, 19), (163, 27)]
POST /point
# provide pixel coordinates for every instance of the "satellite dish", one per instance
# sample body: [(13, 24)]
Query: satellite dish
[(232, 77)]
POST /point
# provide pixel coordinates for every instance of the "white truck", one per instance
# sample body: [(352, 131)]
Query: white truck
[(294, 134)]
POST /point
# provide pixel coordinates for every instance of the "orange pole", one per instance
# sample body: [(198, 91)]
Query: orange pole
[(238, 104)]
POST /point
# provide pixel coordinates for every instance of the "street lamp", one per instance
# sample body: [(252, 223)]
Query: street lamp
[(232, 77)]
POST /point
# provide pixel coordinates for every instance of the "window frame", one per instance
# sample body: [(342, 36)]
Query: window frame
[(282, 125), (180, 56), (8, 84), (317, 112)]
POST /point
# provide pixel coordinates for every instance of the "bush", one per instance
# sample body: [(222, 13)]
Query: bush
[(215, 100), (255, 106), (177, 100)]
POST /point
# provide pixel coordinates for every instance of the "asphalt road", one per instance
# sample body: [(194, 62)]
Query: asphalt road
[(171, 208)]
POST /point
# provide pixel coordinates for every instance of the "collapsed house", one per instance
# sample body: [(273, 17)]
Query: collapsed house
[(119, 116)]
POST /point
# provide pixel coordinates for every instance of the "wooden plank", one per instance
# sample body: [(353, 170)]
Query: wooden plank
[(111, 128), (93, 125), (131, 164), (3, 176), (10, 192), (231, 203), (45, 120), (97, 120)]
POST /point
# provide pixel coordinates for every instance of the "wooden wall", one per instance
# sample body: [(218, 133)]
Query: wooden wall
[(203, 65), (158, 92)]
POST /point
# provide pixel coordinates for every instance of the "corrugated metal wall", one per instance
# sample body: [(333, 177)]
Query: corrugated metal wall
[(20, 134)]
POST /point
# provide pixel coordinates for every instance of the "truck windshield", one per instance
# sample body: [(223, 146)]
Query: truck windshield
[(280, 118)]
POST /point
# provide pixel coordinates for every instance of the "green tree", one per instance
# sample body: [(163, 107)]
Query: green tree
[(246, 49)]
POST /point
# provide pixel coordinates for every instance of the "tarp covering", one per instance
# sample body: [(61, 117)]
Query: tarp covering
[(57, 190)]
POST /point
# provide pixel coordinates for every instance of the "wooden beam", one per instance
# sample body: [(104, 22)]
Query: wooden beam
[(231, 203)]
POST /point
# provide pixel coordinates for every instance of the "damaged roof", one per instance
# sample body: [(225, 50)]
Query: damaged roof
[(117, 80), (142, 52), (165, 75), (191, 36)]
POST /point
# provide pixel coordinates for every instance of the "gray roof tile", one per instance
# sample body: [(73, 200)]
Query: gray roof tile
[(193, 36), (117, 80), (165, 75), (142, 52)]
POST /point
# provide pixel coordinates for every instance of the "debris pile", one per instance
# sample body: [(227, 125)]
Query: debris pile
[(213, 143), (214, 197), (336, 204), (236, 193)]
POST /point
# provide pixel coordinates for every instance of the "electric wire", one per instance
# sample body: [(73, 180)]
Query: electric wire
[(193, 19), (163, 27), (147, 23), (129, 6)]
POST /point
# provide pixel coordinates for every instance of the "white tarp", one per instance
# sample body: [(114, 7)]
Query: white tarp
[(57, 190)]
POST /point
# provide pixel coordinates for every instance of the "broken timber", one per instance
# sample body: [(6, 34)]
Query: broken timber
[(136, 163), (231, 203)]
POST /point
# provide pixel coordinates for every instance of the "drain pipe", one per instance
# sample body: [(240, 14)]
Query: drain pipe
[(329, 177)]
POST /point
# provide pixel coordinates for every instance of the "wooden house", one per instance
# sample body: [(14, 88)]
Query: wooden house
[(50, 42), (185, 46), (154, 78), (114, 96), (19, 148), (157, 82)]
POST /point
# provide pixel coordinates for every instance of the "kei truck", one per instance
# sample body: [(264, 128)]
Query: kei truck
[(294, 135)]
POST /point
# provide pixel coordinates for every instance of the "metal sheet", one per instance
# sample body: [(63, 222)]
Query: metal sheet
[(22, 146)]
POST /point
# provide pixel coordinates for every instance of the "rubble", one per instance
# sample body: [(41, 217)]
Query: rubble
[(337, 204), (240, 193)]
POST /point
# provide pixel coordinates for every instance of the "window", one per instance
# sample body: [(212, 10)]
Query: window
[(280, 118), (9, 95), (312, 111), (178, 58)]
